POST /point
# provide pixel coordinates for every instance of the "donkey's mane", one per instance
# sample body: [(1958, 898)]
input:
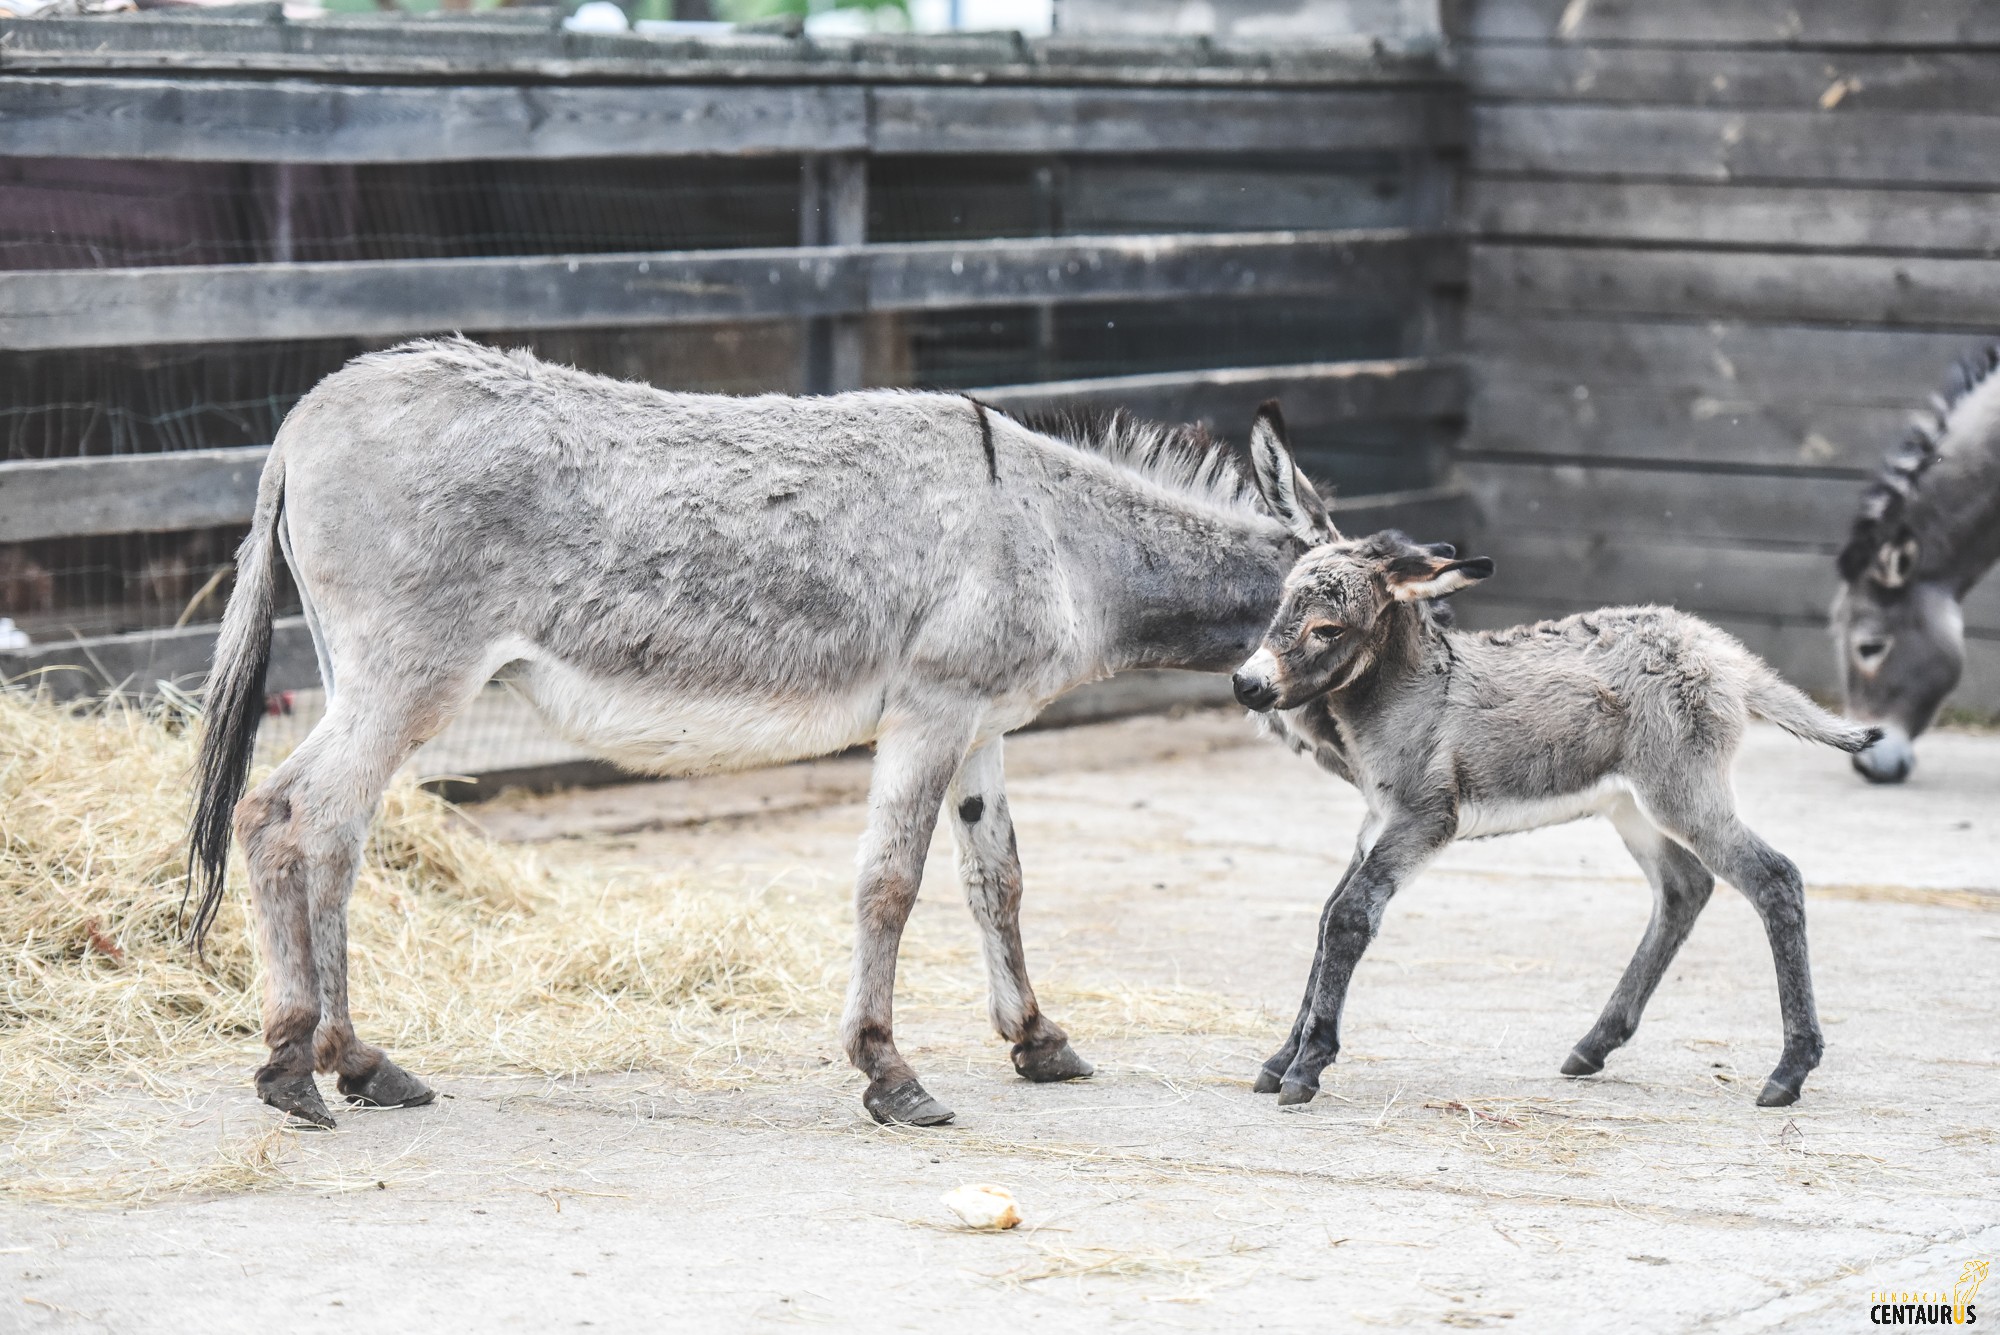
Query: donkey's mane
[(1885, 504), (1185, 460)]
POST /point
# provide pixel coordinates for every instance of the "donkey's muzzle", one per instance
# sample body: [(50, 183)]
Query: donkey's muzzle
[(1889, 759), (1254, 691)]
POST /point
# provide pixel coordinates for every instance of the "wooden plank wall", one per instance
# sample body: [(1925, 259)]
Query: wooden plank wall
[(1720, 249)]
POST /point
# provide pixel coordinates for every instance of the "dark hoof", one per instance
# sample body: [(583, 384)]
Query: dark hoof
[(387, 1086), (1267, 1082), (1578, 1064), (1778, 1095), (1045, 1065), (906, 1104), (296, 1096), (1290, 1092)]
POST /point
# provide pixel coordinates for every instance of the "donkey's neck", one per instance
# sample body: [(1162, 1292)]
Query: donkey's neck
[(1954, 509), (1410, 654), (1176, 588)]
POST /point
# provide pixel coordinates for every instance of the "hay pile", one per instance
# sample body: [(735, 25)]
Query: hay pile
[(466, 954)]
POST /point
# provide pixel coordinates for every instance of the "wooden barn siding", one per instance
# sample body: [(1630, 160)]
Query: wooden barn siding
[(1719, 250)]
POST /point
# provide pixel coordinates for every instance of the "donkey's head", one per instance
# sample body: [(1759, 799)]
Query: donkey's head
[(1901, 643), (1341, 603)]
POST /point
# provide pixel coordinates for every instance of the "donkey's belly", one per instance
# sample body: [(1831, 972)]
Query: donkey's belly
[(663, 730), (1477, 820)]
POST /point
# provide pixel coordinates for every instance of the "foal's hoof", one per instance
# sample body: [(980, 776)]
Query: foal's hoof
[(1047, 1064), (1579, 1064), (906, 1103), (387, 1086), (1267, 1082), (1778, 1094), (296, 1096), (1290, 1092)]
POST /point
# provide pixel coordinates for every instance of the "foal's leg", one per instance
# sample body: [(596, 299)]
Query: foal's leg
[(1705, 820), (1351, 920), (1681, 887), (914, 763), (989, 864), (1272, 1073)]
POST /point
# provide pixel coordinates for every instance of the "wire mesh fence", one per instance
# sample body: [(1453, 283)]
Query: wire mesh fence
[(82, 403)]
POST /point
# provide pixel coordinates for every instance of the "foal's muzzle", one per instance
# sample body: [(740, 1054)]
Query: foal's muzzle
[(1254, 691)]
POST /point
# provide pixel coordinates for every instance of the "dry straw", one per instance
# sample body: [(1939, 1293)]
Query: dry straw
[(467, 955)]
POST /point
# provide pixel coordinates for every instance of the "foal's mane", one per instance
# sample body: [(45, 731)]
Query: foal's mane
[(1185, 460), (1885, 504)]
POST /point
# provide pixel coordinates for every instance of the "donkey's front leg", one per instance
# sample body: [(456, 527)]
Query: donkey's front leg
[(989, 863), (1352, 918), (914, 761), (1271, 1075)]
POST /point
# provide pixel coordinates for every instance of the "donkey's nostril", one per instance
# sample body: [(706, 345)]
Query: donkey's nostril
[(1254, 692)]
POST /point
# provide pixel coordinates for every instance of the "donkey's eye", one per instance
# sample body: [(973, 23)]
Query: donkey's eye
[(1326, 632), (1868, 652)]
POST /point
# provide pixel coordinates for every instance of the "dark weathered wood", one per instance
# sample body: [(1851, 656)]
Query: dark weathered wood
[(1546, 418), (1711, 579), (300, 121), (1115, 194), (297, 121), (1860, 147), (1707, 76), (1774, 363), (1226, 400), (200, 488), (1085, 120), (110, 307), (128, 493), (1959, 222), (1686, 506), (492, 45), (1947, 23), (134, 663), (1914, 291)]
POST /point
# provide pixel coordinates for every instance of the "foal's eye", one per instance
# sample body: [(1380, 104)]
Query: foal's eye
[(1868, 651), (1327, 632)]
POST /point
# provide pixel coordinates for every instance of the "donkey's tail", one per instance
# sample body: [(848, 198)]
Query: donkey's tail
[(235, 703), (1776, 699)]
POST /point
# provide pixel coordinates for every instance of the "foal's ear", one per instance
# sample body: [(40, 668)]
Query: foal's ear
[(1425, 574), (1286, 492)]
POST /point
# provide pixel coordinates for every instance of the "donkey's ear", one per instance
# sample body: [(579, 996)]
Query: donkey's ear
[(1413, 579), (1286, 492), (1895, 562)]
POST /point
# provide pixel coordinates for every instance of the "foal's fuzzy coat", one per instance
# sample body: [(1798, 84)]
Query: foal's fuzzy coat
[(1633, 713)]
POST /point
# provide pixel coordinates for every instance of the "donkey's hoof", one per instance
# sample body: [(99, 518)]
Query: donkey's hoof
[(1579, 1064), (387, 1086), (1778, 1094), (1047, 1064), (1267, 1082), (296, 1096), (1290, 1092), (906, 1103)]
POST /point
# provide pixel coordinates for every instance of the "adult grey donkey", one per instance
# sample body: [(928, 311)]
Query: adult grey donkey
[(685, 583), (1928, 530), (1633, 713)]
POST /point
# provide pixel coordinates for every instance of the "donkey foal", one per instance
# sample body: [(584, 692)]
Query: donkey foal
[(1633, 713)]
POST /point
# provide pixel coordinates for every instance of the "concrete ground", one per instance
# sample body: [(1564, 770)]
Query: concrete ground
[(1446, 1176)]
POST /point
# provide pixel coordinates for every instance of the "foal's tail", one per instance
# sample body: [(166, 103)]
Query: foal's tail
[(1776, 699), (235, 702)]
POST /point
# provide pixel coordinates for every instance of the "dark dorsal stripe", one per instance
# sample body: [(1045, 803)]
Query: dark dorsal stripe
[(980, 410)]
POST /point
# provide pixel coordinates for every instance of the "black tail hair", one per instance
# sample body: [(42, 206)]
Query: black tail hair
[(234, 709)]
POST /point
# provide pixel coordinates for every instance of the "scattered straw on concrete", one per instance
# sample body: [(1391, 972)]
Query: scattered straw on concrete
[(467, 955)]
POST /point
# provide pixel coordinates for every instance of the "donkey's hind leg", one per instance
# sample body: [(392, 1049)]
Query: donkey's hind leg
[(1705, 820), (302, 831), (989, 864), (1681, 887)]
